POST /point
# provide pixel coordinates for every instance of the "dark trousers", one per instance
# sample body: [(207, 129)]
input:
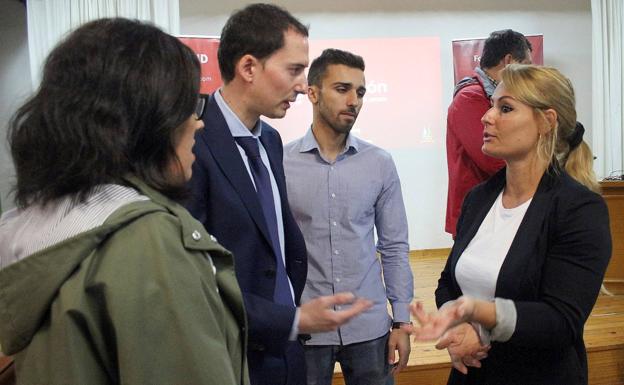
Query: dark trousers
[(363, 363), (286, 369)]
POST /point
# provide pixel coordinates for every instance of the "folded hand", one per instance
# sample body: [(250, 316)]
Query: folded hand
[(464, 347)]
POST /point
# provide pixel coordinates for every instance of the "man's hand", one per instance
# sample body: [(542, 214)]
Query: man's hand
[(398, 340), (464, 347), (319, 315)]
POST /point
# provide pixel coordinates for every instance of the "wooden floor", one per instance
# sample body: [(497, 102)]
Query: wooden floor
[(604, 333)]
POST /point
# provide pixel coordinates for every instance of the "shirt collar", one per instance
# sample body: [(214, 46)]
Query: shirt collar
[(489, 84), (237, 128), (309, 143), (352, 143)]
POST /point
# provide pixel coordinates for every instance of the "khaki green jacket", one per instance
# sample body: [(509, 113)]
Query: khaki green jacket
[(134, 301)]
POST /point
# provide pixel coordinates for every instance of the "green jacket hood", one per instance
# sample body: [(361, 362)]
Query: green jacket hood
[(28, 287)]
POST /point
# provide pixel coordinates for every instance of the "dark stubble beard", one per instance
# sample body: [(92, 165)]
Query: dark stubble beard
[(340, 129)]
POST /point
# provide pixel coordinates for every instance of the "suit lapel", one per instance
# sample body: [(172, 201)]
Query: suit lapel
[(478, 211), (523, 250), (217, 136)]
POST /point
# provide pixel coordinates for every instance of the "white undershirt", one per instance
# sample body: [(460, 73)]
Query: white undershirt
[(479, 265)]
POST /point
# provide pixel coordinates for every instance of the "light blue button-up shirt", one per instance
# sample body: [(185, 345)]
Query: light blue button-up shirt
[(337, 206)]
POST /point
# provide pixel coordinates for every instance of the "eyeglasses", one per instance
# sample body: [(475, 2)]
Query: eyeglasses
[(200, 107)]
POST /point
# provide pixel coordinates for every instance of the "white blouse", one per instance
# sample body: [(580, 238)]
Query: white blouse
[(479, 265)]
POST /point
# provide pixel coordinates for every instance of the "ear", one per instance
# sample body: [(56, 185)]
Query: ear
[(508, 59), (551, 119), (313, 94), (246, 68)]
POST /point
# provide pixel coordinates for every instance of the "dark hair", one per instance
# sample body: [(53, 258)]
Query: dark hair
[(113, 97), (501, 43), (257, 30), (328, 57)]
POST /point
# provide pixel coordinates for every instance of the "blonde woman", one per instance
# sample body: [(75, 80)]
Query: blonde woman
[(532, 246)]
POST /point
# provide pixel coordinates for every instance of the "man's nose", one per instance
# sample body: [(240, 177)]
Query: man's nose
[(352, 99), (302, 84)]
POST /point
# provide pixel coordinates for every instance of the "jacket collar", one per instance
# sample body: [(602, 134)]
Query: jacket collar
[(530, 228), (481, 205), (217, 137), (194, 235), (489, 84), (237, 128), (43, 273)]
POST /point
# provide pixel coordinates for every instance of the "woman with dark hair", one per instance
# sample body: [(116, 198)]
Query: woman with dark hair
[(532, 246), (106, 279)]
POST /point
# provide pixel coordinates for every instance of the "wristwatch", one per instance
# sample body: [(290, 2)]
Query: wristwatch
[(397, 325)]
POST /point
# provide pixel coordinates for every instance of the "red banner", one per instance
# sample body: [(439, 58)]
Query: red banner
[(205, 48), (467, 54)]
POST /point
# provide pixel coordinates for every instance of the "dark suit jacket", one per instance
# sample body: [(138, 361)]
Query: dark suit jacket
[(225, 201), (552, 272)]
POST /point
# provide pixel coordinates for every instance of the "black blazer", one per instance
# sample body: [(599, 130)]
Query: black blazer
[(552, 272), (225, 201)]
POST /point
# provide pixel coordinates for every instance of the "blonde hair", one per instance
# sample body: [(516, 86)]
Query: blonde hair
[(545, 88)]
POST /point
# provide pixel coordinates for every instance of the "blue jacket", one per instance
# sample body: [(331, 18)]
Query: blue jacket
[(225, 201)]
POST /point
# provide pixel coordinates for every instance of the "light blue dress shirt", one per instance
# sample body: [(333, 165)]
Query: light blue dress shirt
[(338, 206)]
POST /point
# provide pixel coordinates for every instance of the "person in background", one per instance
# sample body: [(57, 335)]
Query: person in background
[(105, 278), (467, 164), (532, 245), (239, 191), (340, 190)]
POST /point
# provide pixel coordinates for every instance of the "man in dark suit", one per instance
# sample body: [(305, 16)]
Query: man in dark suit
[(239, 193)]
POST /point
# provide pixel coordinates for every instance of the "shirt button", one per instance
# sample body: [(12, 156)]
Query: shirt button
[(333, 195), (196, 235), (336, 252), (337, 279), (213, 238), (334, 223), (331, 168)]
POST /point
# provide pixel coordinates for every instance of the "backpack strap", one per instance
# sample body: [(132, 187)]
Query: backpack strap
[(465, 82)]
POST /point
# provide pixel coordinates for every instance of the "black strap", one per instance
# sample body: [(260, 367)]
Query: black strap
[(465, 82)]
